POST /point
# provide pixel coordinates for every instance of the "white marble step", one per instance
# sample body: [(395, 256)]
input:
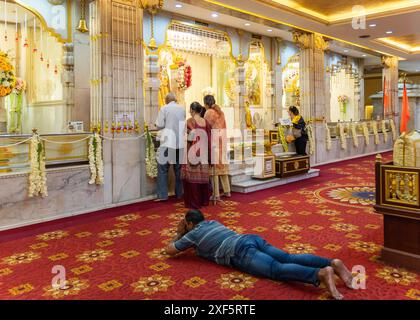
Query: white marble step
[(253, 185)]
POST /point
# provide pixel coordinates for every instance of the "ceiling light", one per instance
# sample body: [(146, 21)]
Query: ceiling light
[(214, 15), (247, 24), (372, 25), (388, 32), (178, 5), (363, 55), (269, 30), (346, 50)]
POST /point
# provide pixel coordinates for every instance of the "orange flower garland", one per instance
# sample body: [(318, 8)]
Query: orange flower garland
[(7, 75)]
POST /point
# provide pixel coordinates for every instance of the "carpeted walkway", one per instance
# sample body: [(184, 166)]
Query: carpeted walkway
[(115, 254)]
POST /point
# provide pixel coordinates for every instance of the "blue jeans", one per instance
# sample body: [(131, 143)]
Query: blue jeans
[(255, 256), (174, 157)]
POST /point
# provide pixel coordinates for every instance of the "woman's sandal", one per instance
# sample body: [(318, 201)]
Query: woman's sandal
[(215, 199)]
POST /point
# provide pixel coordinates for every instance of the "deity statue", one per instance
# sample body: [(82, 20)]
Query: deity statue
[(248, 117)]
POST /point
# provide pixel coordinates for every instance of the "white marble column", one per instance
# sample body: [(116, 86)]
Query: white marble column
[(152, 83), (240, 120), (67, 79)]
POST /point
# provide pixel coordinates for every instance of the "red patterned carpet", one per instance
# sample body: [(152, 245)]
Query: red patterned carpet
[(115, 254)]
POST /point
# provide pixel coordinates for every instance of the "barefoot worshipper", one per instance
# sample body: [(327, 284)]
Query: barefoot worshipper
[(253, 255)]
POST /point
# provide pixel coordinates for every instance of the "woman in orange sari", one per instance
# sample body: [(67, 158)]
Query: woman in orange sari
[(195, 167), (220, 167)]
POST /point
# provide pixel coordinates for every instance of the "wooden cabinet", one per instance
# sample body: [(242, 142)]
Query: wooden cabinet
[(291, 166)]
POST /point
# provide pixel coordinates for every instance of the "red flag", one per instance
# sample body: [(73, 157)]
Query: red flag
[(386, 99), (405, 114)]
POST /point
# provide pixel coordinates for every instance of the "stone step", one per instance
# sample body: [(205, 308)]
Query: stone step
[(253, 185)]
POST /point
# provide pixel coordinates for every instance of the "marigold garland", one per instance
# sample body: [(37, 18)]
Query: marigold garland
[(354, 135), (96, 164), (385, 133), (365, 132), (343, 136), (375, 131), (311, 139), (393, 129), (37, 175), (151, 162), (328, 137), (282, 137)]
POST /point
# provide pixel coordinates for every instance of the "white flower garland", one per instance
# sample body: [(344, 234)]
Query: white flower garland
[(311, 139), (328, 136), (375, 131), (385, 133), (365, 132), (96, 164), (393, 129), (354, 135), (37, 176), (342, 136), (151, 162)]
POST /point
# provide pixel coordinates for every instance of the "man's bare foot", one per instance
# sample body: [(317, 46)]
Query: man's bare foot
[(341, 271), (326, 276)]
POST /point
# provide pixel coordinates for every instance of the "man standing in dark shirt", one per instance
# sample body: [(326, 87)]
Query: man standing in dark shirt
[(252, 254)]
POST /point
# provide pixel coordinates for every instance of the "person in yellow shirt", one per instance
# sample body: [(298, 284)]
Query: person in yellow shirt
[(300, 137)]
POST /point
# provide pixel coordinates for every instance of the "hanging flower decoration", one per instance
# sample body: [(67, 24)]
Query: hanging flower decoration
[(184, 76), (343, 100), (7, 75), (328, 137), (96, 163), (354, 135), (343, 136), (15, 106), (282, 137), (37, 175), (151, 162), (311, 139), (393, 129), (365, 132), (375, 131), (209, 91), (385, 133)]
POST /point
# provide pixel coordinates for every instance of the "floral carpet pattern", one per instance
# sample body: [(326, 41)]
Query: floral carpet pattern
[(116, 253)]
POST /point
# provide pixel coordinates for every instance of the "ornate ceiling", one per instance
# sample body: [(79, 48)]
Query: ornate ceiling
[(409, 44), (337, 11)]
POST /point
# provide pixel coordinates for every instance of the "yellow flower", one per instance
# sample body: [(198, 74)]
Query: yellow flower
[(259, 229), (329, 212), (413, 294), (396, 276), (130, 254), (144, 232), (105, 243), (128, 217), (54, 235), (230, 214), (58, 256), (236, 281), (152, 284), (160, 266), (300, 248), (157, 254), (109, 285), (293, 237), (168, 232), (111, 234), (5, 272), (23, 288), (94, 255), (82, 269), (70, 287), (345, 227), (279, 214), (195, 282), (316, 227), (20, 258), (364, 246), (83, 234), (38, 245), (332, 247), (237, 229), (288, 228)]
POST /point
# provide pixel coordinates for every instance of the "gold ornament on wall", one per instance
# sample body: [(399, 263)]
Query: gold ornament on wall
[(153, 6), (303, 40), (82, 27)]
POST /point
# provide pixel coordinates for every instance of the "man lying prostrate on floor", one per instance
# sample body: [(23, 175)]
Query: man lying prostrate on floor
[(252, 254)]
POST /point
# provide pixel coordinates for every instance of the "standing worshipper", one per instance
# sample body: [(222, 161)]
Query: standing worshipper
[(171, 122), (195, 167), (220, 168), (300, 137)]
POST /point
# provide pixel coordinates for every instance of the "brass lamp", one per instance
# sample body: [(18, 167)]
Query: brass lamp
[(153, 6), (82, 27)]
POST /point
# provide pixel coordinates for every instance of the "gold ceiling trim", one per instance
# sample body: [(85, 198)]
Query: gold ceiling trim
[(376, 12), (399, 46), (45, 25), (260, 16)]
